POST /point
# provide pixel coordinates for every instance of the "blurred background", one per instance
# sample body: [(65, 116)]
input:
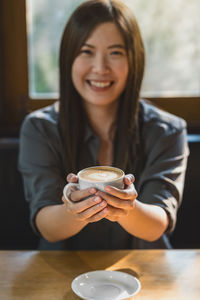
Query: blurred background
[(169, 29), (30, 33)]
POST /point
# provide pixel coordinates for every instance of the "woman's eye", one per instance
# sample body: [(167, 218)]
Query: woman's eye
[(117, 53)]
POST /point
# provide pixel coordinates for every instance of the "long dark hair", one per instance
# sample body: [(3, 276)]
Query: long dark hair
[(72, 118)]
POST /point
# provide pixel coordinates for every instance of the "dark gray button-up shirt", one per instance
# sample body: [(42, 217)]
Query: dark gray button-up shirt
[(160, 182)]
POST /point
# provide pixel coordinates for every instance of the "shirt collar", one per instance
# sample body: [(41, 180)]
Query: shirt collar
[(89, 133)]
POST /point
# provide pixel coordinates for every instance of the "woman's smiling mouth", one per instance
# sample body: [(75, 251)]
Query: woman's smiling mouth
[(99, 84)]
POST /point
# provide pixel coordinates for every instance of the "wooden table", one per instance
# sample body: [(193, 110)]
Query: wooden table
[(47, 275)]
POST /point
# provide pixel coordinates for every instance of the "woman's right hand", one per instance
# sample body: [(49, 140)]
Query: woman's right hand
[(85, 205)]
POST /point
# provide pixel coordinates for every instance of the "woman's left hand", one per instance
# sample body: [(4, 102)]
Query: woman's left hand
[(120, 202)]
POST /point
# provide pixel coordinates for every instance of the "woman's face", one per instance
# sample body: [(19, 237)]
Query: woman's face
[(100, 70)]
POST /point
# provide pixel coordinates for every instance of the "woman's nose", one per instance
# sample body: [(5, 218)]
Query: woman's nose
[(100, 64)]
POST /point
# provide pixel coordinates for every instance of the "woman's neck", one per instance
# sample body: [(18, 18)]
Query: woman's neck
[(102, 120)]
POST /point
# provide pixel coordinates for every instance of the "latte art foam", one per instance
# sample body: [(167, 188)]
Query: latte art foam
[(100, 174)]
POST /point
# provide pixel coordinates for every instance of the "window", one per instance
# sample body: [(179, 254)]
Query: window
[(170, 30), (172, 47)]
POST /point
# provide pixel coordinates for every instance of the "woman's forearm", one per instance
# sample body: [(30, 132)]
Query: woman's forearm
[(56, 224), (145, 221)]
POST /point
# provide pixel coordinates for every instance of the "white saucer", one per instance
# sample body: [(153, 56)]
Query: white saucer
[(105, 285)]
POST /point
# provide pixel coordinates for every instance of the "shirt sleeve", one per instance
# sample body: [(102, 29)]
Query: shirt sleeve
[(162, 179), (40, 165)]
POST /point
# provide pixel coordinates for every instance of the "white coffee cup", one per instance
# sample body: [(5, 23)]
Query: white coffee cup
[(97, 177)]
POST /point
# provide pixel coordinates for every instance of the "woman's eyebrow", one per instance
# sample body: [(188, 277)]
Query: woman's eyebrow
[(121, 46), (117, 46), (88, 45)]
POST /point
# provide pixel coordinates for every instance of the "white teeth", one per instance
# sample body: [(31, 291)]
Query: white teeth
[(100, 84)]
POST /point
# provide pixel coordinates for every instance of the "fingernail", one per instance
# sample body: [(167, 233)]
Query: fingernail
[(92, 191)]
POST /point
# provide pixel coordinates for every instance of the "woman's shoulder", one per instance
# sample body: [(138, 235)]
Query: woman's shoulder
[(41, 119), (154, 118), (162, 129), (47, 113)]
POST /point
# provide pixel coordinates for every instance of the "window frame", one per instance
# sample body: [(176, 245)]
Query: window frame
[(15, 101)]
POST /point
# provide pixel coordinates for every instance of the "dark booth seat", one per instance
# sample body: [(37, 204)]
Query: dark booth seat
[(15, 231), (186, 233)]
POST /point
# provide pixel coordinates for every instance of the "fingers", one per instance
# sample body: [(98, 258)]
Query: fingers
[(90, 210), (81, 194), (98, 216), (128, 179), (95, 213), (84, 205), (72, 177), (128, 194), (116, 202)]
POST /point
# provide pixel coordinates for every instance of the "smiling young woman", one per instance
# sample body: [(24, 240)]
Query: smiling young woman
[(100, 119)]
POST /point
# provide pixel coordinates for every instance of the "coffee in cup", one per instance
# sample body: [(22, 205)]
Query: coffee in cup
[(98, 177), (100, 174)]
